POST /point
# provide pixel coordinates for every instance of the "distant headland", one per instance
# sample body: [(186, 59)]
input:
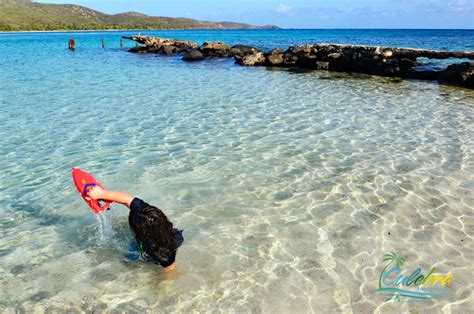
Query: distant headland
[(26, 15)]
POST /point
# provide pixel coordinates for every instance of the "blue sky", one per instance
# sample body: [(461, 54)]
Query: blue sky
[(304, 13)]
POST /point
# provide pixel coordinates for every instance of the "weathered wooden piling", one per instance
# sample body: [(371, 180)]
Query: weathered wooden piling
[(71, 44), (103, 42), (121, 42)]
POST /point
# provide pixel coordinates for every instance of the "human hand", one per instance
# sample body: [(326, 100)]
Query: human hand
[(98, 193), (95, 193)]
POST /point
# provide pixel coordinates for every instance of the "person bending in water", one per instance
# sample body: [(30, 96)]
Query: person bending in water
[(156, 240)]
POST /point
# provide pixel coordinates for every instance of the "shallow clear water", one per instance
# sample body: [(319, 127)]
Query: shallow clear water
[(290, 186)]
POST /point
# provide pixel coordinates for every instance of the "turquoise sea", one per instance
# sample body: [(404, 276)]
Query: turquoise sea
[(290, 186)]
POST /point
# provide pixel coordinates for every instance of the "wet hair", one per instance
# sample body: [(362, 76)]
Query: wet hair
[(154, 234)]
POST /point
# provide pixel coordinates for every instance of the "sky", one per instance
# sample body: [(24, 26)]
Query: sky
[(304, 13)]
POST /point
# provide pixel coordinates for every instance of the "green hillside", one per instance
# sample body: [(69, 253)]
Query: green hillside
[(24, 15)]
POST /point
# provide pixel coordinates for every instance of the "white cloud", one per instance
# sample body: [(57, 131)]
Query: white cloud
[(458, 6), (446, 6), (284, 9)]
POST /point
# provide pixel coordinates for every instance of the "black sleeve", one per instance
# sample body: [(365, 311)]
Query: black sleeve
[(138, 204)]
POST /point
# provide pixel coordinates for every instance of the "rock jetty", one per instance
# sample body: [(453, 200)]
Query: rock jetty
[(165, 46), (382, 61)]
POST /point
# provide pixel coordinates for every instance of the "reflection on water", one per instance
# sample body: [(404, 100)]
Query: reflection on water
[(290, 186)]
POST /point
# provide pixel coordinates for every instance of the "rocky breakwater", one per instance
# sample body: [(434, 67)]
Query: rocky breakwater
[(163, 46), (212, 49), (382, 61), (191, 51)]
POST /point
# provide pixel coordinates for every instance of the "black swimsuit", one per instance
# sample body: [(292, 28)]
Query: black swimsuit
[(136, 254)]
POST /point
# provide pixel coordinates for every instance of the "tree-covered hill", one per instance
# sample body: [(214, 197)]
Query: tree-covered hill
[(25, 15)]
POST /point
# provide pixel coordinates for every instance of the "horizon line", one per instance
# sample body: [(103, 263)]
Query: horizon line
[(233, 29)]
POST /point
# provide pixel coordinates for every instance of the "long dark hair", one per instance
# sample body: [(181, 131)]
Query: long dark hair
[(154, 233)]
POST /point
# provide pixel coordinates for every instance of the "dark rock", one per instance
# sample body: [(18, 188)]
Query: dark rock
[(321, 65), (193, 55), (406, 64), (305, 61), (168, 49), (324, 50), (459, 74), (274, 57), (157, 50), (290, 56), (214, 49), (135, 49), (334, 55), (294, 49), (158, 45), (252, 60), (422, 74), (39, 296), (458, 54), (242, 51), (383, 52)]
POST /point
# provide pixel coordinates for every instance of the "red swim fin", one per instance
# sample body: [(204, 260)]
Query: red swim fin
[(83, 182)]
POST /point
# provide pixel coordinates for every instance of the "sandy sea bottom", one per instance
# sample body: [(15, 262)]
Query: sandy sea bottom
[(290, 188)]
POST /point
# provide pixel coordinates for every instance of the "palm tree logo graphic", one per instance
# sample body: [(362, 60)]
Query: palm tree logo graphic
[(391, 259), (400, 288)]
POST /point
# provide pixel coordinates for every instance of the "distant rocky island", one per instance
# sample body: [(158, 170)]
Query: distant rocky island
[(382, 61), (26, 15)]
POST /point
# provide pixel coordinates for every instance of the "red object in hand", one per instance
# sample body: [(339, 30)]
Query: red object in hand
[(84, 182)]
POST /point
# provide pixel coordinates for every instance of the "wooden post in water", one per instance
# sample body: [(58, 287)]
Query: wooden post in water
[(121, 42), (103, 42), (71, 44)]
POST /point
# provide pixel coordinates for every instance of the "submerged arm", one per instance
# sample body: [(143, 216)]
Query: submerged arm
[(98, 193)]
